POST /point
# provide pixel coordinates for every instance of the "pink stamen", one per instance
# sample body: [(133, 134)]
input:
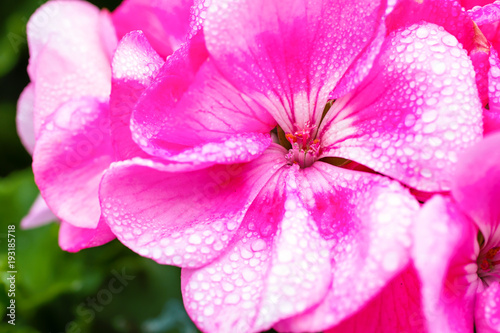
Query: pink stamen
[(304, 150)]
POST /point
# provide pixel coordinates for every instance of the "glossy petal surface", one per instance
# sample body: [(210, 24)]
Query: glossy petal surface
[(177, 215), (446, 13), (135, 64), (488, 310), (366, 220), (190, 104), (39, 214), (397, 308), (67, 59), (74, 239), (492, 115), (276, 266), (71, 153), (469, 4), (444, 254), (165, 23), (24, 118), (477, 184), (411, 116), (289, 55)]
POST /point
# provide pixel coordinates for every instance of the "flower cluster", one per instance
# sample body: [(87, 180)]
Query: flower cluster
[(311, 165)]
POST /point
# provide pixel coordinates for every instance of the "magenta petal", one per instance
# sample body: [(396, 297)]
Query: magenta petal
[(480, 59), (289, 55), (487, 13), (134, 65), (71, 154), (277, 265), (235, 149), (74, 239), (366, 220), (165, 23), (397, 308), (477, 184), (210, 109), (38, 215), (412, 114), (446, 13), (491, 121), (360, 68), (488, 310), (174, 79), (492, 115), (190, 104), (178, 216), (24, 118), (107, 33), (450, 15), (67, 58), (469, 4), (444, 253)]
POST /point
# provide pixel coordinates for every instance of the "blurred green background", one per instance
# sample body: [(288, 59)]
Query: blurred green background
[(58, 291)]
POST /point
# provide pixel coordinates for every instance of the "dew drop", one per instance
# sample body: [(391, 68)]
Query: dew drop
[(422, 33), (438, 67), (194, 239)]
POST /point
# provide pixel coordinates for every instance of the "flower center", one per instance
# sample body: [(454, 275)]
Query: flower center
[(489, 265), (305, 148)]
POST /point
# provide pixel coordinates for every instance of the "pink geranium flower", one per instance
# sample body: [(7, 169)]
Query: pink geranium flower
[(269, 236), (457, 247), (66, 116)]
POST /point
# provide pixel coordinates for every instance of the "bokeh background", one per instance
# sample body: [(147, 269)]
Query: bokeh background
[(58, 291)]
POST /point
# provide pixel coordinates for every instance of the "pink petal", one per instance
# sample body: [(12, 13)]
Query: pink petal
[(482, 11), (488, 19), (165, 23), (446, 13), (366, 220), (235, 149), (24, 118), (210, 109), (491, 121), (289, 55), (71, 154), (177, 215), (176, 75), (189, 105), (444, 253), (450, 15), (74, 239), (107, 33), (491, 117), (360, 68), (276, 266), (477, 184), (39, 214), (457, 22), (397, 308), (134, 66), (198, 16), (412, 114), (488, 310), (67, 59), (494, 81), (469, 4), (479, 56)]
